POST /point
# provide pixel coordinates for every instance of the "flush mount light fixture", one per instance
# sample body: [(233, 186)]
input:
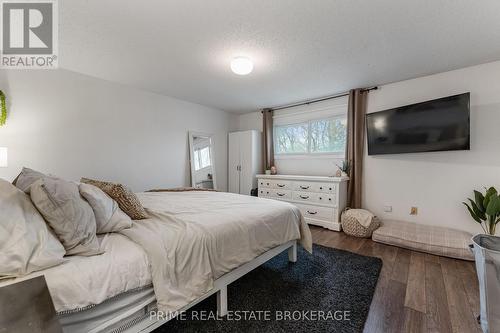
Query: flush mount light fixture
[(241, 65)]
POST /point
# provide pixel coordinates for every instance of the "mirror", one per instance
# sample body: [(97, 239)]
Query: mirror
[(201, 149)]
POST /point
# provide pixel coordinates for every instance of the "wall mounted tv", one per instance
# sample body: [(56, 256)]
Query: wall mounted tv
[(437, 125)]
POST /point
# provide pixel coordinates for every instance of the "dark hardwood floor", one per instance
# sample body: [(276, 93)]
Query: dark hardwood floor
[(416, 292)]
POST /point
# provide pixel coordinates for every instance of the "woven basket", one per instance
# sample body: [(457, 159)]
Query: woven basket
[(352, 227)]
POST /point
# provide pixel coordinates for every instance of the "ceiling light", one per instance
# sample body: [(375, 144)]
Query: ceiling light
[(241, 65)]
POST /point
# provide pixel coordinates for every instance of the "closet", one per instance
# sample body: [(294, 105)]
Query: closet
[(245, 160)]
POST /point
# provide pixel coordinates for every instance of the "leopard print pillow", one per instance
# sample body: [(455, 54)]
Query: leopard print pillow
[(126, 199)]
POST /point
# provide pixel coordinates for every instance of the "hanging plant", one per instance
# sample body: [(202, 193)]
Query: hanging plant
[(3, 109)]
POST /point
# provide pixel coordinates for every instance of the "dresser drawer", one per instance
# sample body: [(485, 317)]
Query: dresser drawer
[(326, 187), (314, 187), (281, 184), (315, 212), (280, 194), (305, 196), (314, 197), (265, 183), (265, 192)]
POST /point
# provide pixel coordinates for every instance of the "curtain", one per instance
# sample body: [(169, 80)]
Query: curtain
[(355, 145), (267, 139)]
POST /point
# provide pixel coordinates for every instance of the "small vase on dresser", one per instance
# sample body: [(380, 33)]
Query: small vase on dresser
[(321, 200)]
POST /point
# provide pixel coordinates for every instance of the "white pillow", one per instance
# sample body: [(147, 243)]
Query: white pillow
[(26, 243), (109, 217), (68, 214)]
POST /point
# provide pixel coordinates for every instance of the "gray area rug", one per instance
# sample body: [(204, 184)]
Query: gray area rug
[(328, 291)]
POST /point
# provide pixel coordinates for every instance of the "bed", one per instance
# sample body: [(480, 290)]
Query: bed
[(193, 245)]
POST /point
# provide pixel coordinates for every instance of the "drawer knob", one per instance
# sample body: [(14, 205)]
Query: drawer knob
[(312, 213), (321, 188), (320, 198), (304, 187), (268, 184), (280, 194), (330, 188), (304, 196), (281, 185), (330, 199)]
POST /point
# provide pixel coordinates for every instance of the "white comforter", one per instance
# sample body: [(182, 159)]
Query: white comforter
[(192, 238)]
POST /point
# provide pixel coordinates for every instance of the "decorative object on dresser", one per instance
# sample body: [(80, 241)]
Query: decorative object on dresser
[(245, 161), (344, 169), (320, 199)]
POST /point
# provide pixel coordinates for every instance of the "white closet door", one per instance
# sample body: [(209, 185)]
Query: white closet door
[(246, 155), (234, 163)]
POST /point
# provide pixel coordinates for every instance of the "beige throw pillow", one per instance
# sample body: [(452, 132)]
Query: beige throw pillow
[(109, 217), (68, 214), (126, 199), (26, 178), (26, 243)]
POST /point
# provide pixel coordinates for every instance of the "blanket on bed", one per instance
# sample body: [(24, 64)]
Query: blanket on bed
[(193, 238), (181, 189)]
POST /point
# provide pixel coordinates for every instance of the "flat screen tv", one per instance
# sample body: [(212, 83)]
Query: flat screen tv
[(437, 125)]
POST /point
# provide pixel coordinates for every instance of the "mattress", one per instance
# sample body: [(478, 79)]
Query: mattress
[(113, 315), (82, 282)]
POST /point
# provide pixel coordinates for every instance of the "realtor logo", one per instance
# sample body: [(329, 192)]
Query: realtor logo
[(29, 34)]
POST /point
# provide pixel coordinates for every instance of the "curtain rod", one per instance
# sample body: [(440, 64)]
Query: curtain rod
[(316, 100)]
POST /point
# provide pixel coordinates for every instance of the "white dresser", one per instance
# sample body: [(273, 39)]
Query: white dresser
[(320, 199)]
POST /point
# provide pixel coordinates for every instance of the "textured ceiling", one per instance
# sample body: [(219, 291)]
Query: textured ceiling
[(301, 48)]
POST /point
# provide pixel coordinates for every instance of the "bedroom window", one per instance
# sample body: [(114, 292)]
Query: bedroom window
[(318, 136), (201, 158)]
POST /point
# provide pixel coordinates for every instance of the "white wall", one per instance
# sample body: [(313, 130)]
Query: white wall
[(73, 125), (438, 182)]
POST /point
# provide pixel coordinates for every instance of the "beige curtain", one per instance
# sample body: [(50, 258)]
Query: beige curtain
[(267, 139), (356, 144)]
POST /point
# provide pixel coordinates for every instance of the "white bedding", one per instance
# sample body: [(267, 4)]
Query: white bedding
[(193, 238), (84, 281)]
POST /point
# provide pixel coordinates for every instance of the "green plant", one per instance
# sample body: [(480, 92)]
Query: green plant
[(485, 209), (345, 167), (3, 109)]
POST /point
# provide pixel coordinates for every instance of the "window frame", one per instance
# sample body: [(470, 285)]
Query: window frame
[(309, 154)]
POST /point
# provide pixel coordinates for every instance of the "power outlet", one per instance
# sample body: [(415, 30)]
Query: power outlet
[(388, 209), (414, 211)]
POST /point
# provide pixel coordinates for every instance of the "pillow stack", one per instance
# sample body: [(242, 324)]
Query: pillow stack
[(62, 218), (26, 243), (126, 199), (109, 217)]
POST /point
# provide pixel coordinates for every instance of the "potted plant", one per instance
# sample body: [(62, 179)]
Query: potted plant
[(485, 209), (344, 168)]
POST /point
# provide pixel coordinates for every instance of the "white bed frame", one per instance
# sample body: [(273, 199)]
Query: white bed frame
[(220, 287)]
